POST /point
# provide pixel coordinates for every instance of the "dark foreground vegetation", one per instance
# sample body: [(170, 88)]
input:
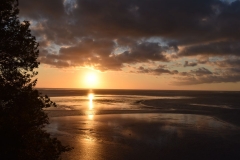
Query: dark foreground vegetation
[(22, 119)]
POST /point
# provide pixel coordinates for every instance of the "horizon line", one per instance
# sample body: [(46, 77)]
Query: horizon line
[(133, 89)]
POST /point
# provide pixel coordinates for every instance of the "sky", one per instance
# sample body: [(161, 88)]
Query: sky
[(136, 44)]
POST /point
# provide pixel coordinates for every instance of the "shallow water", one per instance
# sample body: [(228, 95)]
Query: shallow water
[(128, 124), (104, 102), (141, 136), (135, 99)]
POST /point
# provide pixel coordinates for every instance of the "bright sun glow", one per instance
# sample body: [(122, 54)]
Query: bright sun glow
[(91, 80), (90, 97)]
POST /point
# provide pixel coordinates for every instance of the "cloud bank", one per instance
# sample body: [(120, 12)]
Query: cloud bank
[(203, 35)]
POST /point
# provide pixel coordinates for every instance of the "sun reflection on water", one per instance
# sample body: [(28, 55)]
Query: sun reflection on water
[(90, 111), (90, 97), (90, 116)]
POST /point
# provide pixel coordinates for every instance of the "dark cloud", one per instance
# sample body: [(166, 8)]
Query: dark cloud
[(189, 64), (191, 80), (197, 72), (99, 53), (142, 52), (200, 71), (235, 70), (228, 63), (177, 21), (216, 48), (156, 71), (110, 35), (203, 75), (44, 9)]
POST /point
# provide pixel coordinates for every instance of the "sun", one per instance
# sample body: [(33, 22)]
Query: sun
[(91, 80)]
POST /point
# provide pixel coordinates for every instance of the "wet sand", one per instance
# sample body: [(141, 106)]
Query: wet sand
[(142, 134), (214, 108), (126, 124)]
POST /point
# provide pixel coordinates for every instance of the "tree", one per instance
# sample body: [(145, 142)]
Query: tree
[(22, 118)]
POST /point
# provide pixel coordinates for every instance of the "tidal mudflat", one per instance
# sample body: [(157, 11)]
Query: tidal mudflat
[(146, 136), (170, 126)]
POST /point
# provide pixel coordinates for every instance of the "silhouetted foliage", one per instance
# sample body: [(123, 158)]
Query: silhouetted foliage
[(22, 118)]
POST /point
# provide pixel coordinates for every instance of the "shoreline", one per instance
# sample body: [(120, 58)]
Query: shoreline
[(226, 115), (146, 136), (154, 129)]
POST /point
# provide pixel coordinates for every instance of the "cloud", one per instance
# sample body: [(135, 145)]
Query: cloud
[(156, 71), (215, 48), (201, 71), (207, 79), (179, 22), (100, 54), (111, 35), (203, 75), (228, 63), (142, 52), (189, 64)]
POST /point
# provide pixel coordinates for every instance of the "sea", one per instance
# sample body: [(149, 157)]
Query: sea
[(146, 124), (75, 99), (114, 100)]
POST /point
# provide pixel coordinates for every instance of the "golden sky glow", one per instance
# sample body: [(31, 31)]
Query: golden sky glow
[(75, 78)]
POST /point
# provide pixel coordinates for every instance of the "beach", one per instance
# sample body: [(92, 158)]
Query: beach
[(170, 126)]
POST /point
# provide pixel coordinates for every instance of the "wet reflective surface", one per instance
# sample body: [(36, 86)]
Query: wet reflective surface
[(141, 136), (124, 127), (104, 102)]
